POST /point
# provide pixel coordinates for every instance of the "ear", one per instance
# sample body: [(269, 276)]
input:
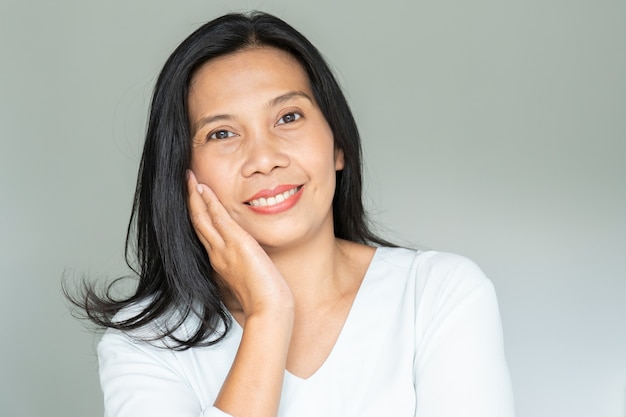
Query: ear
[(339, 161)]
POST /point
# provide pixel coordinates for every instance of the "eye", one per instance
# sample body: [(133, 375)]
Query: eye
[(289, 118), (221, 134)]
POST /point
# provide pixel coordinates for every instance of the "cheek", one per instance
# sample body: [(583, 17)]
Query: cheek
[(211, 172), (220, 177)]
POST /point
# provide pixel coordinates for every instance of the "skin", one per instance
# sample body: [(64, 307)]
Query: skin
[(288, 281)]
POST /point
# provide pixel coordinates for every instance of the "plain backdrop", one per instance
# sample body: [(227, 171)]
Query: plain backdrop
[(495, 129)]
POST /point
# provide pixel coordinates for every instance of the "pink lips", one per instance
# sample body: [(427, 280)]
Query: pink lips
[(276, 200)]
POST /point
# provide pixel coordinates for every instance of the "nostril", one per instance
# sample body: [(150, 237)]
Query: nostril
[(264, 158)]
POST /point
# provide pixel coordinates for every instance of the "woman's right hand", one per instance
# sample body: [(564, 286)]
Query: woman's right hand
[(242, 265), (267, 302)]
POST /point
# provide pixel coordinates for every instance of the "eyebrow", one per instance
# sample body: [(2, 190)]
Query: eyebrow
[(288, 96), (273, 102), (209, 119)]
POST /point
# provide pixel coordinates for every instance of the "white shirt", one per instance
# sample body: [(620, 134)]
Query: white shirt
[(423, 339)]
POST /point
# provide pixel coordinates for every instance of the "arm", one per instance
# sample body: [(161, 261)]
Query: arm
[(142, 380), (138, 379), (254, 383), (460, 368)]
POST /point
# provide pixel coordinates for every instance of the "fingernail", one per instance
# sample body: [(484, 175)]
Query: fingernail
[(199, 188)]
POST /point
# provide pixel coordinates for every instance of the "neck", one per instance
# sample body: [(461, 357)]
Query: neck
[(315, 270), (319, 271)]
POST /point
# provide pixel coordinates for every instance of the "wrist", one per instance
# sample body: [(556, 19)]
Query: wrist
[(273, 314)]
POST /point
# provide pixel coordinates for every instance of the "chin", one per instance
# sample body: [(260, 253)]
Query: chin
[(273, 245), (278, 241)]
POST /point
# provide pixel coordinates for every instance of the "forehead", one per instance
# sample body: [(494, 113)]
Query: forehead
[(254, 67)]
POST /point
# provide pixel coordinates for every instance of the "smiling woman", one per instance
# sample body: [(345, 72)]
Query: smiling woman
[(264, 147), (262, 291)]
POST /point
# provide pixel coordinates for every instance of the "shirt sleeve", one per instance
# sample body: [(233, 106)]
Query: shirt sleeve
[(460, 368), (139, 380)]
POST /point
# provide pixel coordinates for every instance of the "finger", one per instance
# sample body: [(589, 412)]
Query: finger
[(222, 222), (199, 215), (211, 215)]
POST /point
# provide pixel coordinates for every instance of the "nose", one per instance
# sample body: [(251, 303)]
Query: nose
[(264, 153)]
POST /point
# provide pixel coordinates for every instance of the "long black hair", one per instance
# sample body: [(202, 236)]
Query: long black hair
[(175, 275)]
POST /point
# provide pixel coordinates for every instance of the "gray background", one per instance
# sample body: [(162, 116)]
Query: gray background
[(495, 129)]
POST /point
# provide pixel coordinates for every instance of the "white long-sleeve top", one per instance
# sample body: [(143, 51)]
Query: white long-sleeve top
[(423, 339)]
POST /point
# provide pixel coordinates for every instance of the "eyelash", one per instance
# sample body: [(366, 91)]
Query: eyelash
[(213, 135), (294, 114)]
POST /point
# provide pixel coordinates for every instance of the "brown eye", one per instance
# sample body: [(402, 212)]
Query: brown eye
[(221, 134), (289, 118)]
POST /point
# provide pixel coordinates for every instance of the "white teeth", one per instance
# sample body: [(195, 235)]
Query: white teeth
[(272, 201)]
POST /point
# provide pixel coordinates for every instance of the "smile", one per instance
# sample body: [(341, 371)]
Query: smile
[(274, 200)]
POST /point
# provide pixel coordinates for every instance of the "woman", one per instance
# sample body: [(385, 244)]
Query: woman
[(262, 291)]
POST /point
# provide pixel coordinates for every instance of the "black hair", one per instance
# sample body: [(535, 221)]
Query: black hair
[(175, 276)]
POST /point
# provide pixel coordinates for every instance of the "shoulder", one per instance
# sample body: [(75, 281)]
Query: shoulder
[(444, 269), (458, 339), (450, 291), (435, 267), (432, 277)]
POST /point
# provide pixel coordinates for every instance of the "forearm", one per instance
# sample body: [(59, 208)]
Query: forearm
[(254, 383)]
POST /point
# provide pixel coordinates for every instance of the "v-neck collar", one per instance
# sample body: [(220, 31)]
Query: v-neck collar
[(353, 314)]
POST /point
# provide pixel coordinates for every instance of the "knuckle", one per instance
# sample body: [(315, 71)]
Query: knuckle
[(216, 263), (196, 220), (219, 224)]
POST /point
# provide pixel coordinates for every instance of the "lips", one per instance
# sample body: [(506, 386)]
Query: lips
[(268, 198), (276, 200)]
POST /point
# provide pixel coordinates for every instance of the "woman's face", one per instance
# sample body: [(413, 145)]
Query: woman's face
[(260, 141)]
